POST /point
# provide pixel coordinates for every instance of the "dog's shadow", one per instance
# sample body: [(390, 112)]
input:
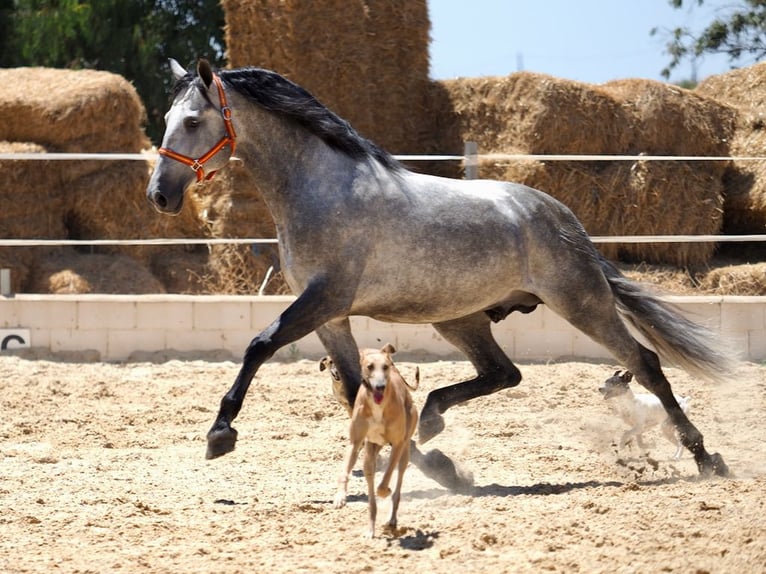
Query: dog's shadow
[(418, 540)]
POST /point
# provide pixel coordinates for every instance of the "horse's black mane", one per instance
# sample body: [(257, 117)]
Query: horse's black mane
[(278, 94)]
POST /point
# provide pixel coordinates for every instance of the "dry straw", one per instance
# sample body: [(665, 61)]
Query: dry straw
[(71, 111), (745, 90), (72, 272)]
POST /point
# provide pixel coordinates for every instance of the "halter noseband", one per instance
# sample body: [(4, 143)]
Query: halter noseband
[(229, 139)]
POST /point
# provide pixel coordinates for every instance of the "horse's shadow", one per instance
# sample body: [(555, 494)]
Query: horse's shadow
[(439, 467)]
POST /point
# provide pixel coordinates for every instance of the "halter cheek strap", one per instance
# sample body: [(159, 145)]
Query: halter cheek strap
[(228, 139)]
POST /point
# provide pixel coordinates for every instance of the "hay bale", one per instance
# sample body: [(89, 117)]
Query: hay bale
[(367, 61), (741, 279), (668, 120), (32, 208), (71, 111), (535, 113), (683, 197), (744, 181), (397, 37), (300, 40), (71, 272)]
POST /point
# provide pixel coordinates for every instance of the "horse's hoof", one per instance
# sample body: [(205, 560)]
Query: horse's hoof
[(719, 466), (431, 424), (713, 465), (220, 441)]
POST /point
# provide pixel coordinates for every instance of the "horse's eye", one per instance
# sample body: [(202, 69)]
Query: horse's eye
[(191, 122)]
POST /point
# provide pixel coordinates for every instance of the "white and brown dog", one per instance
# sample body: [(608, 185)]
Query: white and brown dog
[(383, 414), (641, 410)]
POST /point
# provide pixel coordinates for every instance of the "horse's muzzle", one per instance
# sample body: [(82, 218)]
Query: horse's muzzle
[(163, 204)]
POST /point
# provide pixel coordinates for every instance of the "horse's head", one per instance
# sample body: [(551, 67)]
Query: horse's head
[(193, 147)]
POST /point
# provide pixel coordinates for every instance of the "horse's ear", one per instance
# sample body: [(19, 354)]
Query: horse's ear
[(204, 71), (177, 69)]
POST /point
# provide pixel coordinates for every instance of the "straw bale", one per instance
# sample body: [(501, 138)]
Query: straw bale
[(301, 41), (183, 271), (367, 61), (30, 195), (741, 279), (32, 207), (534, 113), (111, 204), (71, 272), (398, 35), (71, 111), (668, 120), (745, 181)]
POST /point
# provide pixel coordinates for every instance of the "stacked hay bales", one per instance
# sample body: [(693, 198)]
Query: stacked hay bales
[(745, 181), (528, 113), (77, 112), (70, 272), (680, 197), (32, 207)]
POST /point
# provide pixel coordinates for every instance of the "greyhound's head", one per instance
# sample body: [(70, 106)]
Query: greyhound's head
[(376, 370), (616, 385), (325, 363)]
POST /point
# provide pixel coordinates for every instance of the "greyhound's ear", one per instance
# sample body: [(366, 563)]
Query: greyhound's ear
[(627, 377), (389, 348), (177, 69), (205, 72)]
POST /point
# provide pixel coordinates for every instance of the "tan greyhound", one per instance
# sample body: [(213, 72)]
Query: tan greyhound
[(383, 413)]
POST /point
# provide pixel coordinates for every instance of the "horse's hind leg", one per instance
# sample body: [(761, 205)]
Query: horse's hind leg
[(473, 336), (597, 317)]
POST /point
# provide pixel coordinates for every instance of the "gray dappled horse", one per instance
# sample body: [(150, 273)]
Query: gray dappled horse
[(361, 235)]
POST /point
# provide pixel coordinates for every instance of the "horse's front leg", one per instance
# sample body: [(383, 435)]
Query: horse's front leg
[(310, 310)]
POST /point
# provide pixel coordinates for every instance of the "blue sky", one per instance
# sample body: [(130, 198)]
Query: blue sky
[(587, 40)]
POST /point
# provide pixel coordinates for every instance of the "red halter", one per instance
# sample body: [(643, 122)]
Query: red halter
[(229, 139)]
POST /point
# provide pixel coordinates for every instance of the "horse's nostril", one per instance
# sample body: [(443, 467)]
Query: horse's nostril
[(160, 200)]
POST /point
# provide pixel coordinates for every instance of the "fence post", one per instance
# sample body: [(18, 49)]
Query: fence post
[(5, 283), (471, 161)]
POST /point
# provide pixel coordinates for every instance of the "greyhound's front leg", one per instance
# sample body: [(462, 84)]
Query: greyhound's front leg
[(310, 310), (348, 465), (371, 451)]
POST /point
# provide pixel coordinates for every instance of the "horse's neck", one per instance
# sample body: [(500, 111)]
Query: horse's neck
[(280, 156)]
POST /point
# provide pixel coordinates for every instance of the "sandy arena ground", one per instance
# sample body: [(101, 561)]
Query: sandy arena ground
[(102, 469)]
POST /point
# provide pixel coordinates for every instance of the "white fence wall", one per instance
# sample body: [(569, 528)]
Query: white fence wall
[(119, 327)]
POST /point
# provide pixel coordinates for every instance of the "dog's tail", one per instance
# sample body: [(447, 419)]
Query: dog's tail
[(417, 380), (677, 339)]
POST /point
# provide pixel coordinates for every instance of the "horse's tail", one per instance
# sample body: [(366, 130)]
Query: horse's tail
[(690, 346)]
